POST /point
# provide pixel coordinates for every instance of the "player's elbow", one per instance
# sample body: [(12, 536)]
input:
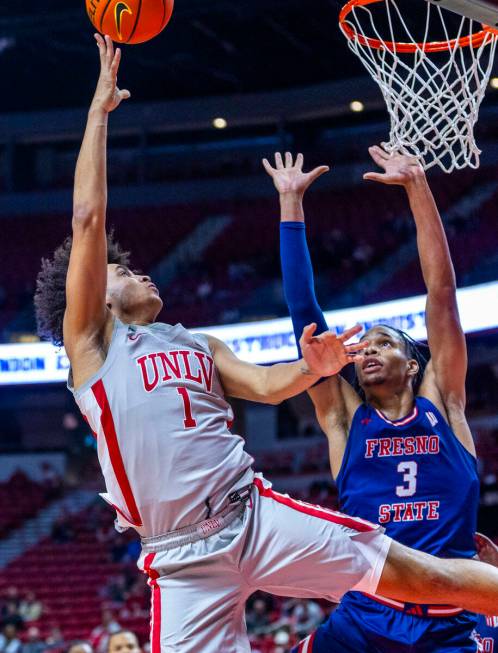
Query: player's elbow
[(85, 216), (443, 292)]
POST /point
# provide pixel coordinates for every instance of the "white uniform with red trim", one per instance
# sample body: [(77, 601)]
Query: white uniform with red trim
[(162, 426), (172, 468)]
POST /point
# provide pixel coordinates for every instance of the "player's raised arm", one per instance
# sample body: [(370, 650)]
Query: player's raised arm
[(335, 400), (86, 312), (444, 381), (324, 355)]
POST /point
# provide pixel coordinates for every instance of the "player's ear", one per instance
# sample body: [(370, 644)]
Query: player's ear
[(413, 368)]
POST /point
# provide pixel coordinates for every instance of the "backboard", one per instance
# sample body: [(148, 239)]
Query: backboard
[(483, 11)]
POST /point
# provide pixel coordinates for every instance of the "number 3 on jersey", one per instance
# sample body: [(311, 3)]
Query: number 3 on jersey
[(189, 422), (409, 471)]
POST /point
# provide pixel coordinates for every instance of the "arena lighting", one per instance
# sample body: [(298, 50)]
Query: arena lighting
[(220, 123), (271, 341), (356, 106)]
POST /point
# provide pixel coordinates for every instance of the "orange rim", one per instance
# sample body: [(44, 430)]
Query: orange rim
[(473, 41)]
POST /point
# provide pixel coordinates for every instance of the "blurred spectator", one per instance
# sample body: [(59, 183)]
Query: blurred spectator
[(9, 641), (30, 608), (34, 643), (51, 481), (204, 289), (80, 647), (133, 550), (55, 638), (306, 617), (124, 641), (105, 533), (12, 595), (11, 615), (119, 548), (99, 637), (257, 617), (62, 530), (116, 590)]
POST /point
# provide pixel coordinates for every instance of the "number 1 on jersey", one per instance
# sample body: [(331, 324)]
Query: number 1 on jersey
[(189, 422)]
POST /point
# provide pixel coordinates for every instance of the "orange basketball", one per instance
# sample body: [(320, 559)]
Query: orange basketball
[(130, 21)]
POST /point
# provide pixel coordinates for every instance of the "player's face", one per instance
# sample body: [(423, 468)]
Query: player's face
[(124, 643), (131, 293), (386, 362)]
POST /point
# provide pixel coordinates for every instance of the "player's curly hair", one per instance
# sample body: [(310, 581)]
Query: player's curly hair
[(413, 349), (50, 294)]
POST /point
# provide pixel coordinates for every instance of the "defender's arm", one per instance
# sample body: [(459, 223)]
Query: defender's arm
[(86, 312), (334, 399), (444, 381)]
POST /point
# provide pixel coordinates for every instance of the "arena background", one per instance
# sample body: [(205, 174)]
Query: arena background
[(193, 204)]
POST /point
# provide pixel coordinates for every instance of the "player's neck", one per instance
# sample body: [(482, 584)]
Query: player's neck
[(394, 406), (137, 318)]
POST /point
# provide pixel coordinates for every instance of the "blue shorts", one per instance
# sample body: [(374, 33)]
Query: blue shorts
[(362, 625)]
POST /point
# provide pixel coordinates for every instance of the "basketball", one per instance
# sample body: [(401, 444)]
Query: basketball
[(130, 21)]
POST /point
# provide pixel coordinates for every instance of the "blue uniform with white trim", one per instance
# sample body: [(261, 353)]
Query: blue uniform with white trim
[(416, 478), (487, 634)]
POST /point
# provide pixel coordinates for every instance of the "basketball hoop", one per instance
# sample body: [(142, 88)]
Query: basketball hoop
[(432, 88)]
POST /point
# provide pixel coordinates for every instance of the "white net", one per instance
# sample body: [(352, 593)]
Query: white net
[(433, 98)]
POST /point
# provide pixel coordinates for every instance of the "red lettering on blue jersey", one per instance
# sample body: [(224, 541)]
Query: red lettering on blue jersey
[(371, 445), (402, 446), (409, 511), (433, 513)]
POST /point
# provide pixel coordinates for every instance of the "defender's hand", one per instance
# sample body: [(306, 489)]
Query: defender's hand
[(289, 178), (486, 549), (328, 353), (399, 169), (108, 96)]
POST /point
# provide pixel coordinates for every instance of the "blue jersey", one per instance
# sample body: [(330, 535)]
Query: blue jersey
[(414, 477), (487, 634)]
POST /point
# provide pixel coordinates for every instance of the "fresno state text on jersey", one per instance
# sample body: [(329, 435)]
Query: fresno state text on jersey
[(414, 477)]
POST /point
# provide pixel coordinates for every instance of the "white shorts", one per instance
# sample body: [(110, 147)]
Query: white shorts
[(278, 545)]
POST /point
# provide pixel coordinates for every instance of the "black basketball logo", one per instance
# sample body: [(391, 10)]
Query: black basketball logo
[(119, 10)]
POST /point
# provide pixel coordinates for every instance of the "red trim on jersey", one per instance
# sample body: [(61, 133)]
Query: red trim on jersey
[(417, 609), (86, 420), (360, 525), (155, 606), (117, 463), (400, 422), (306, 646)]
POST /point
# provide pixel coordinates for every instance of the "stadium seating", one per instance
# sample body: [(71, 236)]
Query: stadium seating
[(350, 231), (20, 499)]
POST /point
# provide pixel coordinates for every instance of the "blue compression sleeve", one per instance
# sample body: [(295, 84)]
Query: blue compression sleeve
[(299, 285)]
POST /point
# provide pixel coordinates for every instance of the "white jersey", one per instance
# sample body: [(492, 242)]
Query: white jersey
[(162, 424)]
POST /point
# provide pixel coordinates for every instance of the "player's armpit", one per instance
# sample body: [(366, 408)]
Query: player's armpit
[(451, 407)]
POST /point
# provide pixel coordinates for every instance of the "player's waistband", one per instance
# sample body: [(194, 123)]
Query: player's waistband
[(417, 610), (200, 531)]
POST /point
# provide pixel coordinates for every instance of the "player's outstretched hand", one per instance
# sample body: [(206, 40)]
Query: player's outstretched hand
[(328, 353), (399, 169), (486, 549), (288, 176), (108, 96)]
